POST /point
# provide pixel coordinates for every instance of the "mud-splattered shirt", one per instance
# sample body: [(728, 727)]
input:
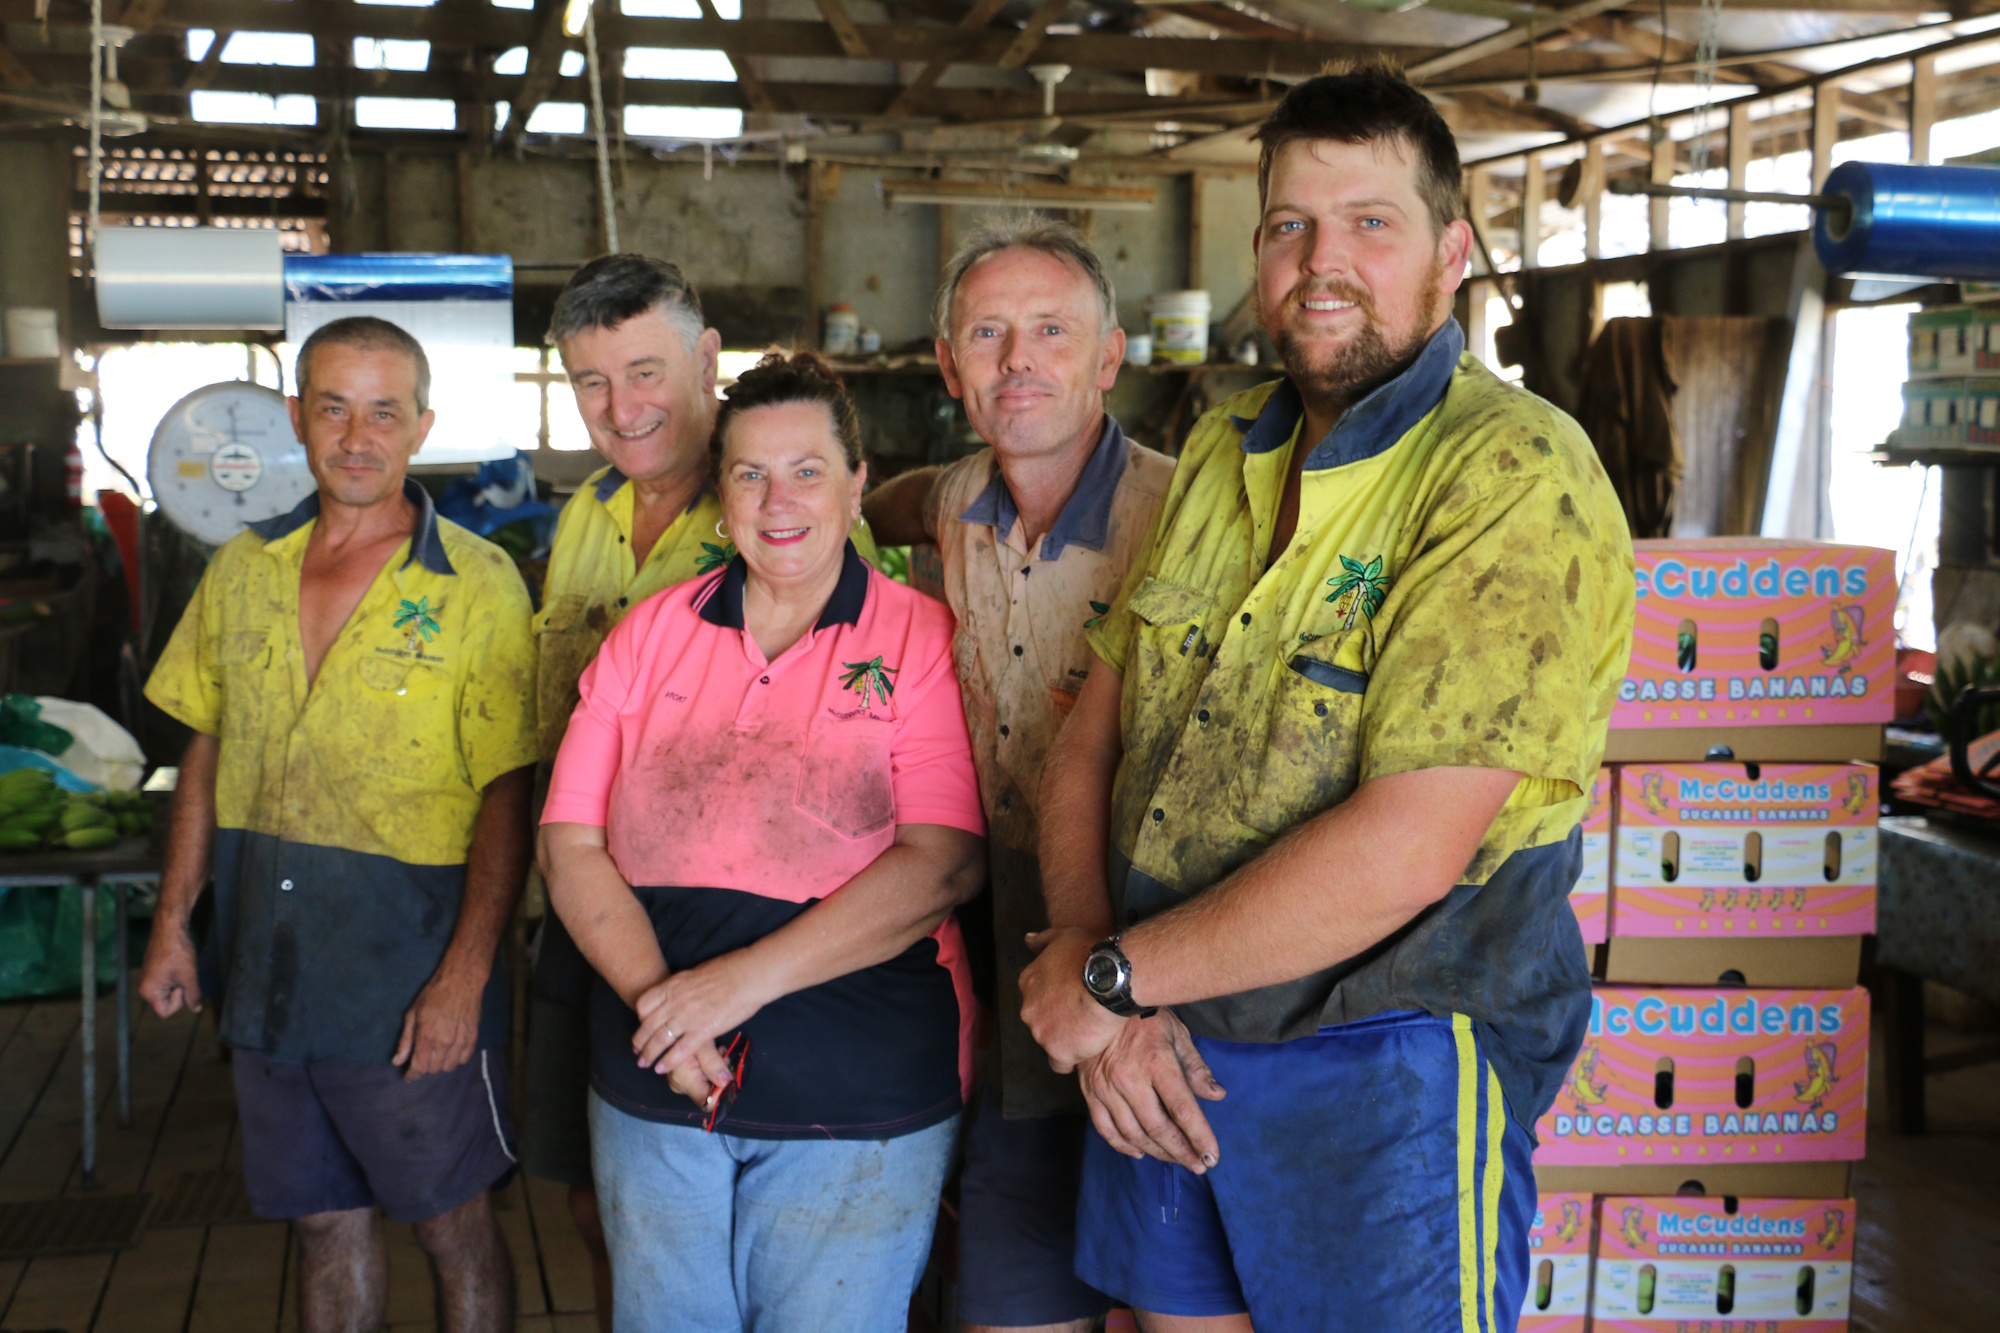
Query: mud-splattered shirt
[(345, 810), (1023, 650), (1458, 592), (736, 791), (593, 581)]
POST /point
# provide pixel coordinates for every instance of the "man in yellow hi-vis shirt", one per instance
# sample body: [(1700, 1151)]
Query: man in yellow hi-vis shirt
[(1322, 789), (642, 363), (358, 674)]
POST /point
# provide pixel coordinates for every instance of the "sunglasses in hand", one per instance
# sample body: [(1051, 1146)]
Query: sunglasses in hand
[(737, 1056)]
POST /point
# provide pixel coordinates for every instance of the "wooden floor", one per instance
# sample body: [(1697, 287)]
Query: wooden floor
[(1928, 1238), (218, 1279)]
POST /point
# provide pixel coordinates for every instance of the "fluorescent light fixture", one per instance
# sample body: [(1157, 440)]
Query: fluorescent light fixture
[(225, 108), (683, 122), (694, 65), (556, 118), (405, 113), (1033, 194)]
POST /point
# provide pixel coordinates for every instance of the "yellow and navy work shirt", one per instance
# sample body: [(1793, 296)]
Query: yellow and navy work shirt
[(1022, 651), (593, 580), (345, 808), (1458, 592)]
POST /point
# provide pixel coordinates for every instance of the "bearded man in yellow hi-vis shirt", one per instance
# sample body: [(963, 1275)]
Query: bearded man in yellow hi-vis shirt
[(1319, 798), (358, 674)]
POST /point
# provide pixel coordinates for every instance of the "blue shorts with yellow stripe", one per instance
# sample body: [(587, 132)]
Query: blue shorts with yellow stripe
[(1370, 1179)]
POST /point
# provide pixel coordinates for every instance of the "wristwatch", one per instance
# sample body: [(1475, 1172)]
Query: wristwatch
[(1107, 975)]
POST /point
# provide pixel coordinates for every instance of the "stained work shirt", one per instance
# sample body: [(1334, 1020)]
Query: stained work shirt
[(345, 809), (1022, 651), (593, 581), (735, 792), (1458, 592)]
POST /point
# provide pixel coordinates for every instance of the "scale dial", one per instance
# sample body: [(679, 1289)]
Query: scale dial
[(225, 456)]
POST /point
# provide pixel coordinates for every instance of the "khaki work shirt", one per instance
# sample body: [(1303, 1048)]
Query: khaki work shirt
[(1022, 651)]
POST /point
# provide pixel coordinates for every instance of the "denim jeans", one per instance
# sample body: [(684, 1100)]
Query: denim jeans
[(711, 1233)]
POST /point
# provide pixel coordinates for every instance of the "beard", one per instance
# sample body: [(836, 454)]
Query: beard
[(1340, 376)]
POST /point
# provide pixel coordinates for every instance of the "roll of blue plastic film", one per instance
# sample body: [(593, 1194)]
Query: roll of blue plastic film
[(1914, 221)]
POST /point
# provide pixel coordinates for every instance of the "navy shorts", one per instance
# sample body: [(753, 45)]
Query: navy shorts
[(1017, 1220), (328, 1137), (1371, 1181)]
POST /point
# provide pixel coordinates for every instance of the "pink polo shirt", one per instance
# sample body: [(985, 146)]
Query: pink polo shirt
[(713, 769)]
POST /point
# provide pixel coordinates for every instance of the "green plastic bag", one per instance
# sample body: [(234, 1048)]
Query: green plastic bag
[(21, 724), (41, 933)]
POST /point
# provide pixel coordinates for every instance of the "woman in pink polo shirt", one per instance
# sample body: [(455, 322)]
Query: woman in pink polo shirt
[(761, 817)]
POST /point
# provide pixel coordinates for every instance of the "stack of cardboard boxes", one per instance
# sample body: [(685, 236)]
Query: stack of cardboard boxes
[(1953, 394), (1694, 1172)]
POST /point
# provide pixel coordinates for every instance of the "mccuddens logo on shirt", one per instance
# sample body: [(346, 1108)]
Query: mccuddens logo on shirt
[(1363, 585), (417, 618), (864, 677)]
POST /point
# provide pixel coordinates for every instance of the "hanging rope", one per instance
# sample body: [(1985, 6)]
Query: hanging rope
[(1705, 54), (597, 115), (97, 117)]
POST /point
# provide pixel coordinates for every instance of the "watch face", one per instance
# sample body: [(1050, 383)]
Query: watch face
[(1100, 974)]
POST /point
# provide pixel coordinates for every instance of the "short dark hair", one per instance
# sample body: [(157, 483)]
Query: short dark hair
[(1365, 103), (614, 288), (368, 334), (796, 377)]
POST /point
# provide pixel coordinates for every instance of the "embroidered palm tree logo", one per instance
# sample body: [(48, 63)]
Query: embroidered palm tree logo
[(714, 557), (1102, 611), (870, 676), (416, 618), (1366, 584)]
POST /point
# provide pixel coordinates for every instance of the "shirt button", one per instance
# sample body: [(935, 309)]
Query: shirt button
[(621, 602), (1003, 730), (1246, 617), (1320, 709), (285, 884), (1158, 814), (402, 689), (1202, 716), (1018, 650), (621, 539), (763, 680)]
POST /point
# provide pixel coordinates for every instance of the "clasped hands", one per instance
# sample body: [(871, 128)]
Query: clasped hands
[(681, 1017), (1142, 1077)]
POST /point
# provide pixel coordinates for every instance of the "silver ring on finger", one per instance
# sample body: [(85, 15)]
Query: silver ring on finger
[(670, 1034)]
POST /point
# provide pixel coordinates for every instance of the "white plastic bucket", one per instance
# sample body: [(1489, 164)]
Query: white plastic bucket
[(1180, 326), (841, 331), (31, 333)]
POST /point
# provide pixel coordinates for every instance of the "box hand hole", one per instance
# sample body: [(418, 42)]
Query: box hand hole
[(1670, 856), (1649, 1280), (1663, 1083), (1753, 856), (1686, 652), (1725, 1289), (1804, 1302), (1545, 1283), (1832, 856), (1746, 1082), (1767, 644)]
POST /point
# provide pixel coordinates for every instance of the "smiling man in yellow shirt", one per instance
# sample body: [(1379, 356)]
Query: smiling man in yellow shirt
[(1345, 719)]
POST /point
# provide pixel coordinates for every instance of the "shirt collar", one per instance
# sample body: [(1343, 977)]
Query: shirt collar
[(724, 606), (608, 484), (1086, 517), (426, 543), (1383, 416)]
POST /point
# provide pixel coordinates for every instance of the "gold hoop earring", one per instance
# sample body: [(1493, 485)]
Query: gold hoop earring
[(720, 531)]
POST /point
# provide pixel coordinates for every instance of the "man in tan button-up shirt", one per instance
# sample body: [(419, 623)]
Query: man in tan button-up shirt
[(1035, 534)]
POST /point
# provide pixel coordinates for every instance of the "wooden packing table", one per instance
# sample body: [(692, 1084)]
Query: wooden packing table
[(132, 861)]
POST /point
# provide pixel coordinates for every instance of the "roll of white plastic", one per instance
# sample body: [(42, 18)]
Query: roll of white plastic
[(189, 278)]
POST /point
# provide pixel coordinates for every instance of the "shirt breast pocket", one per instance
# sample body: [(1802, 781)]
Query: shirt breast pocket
[(242, 648), (404, 725), (844, 776), (1171, 637), (1311, 750)]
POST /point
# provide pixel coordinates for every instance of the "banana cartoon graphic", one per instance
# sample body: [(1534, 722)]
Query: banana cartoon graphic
[(1729, 901), (1857, 794), (1572, 1221), (1799, 898), (1652, 794), (1752, 896), (1847, 641), (1834, 1221), (1631, 1229), (1708, 899), (1820, 1077), (1586, 1092)]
